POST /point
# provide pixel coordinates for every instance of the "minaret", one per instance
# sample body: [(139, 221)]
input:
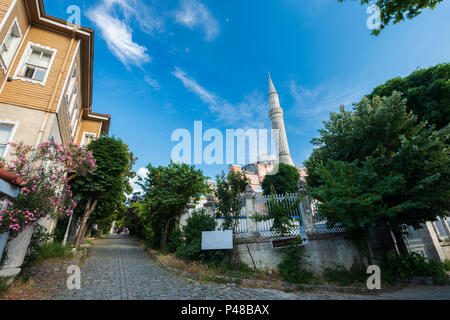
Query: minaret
[(276, 115)]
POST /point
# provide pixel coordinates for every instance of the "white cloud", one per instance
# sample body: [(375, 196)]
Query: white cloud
[(153, 83), (313, 105), (194, 87), (193, 13), (324, 99), (113, 18), (142, 172), (252, 111)]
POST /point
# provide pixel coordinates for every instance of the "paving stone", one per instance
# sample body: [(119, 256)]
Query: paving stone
[(119, 269)]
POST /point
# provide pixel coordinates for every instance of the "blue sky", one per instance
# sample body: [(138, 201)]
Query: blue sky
[(161, 65)]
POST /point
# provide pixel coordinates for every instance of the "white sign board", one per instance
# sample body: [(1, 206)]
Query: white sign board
[(217, 240)]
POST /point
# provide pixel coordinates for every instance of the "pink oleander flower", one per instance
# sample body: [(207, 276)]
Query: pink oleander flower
[(44, 190)]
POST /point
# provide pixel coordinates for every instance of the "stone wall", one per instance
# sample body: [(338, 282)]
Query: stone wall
[(322, 251)]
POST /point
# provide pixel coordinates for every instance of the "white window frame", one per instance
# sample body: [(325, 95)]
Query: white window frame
[(73, 99), (26, 55), (66, 104), (83, 139), (75, 70), (14, 125), (74, 117), (3, 64)]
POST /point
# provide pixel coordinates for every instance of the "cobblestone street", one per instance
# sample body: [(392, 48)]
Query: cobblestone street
[(118, 269)]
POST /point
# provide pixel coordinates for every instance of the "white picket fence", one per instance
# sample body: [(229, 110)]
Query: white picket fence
[(264, 228)]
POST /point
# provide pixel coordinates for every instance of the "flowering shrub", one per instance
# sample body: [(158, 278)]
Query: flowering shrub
[(45, 189)]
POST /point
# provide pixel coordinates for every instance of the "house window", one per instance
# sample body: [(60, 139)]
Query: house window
[(74, 73), (36, 64), (5, 134), (75, 116), (10, 44), (73, 102), (75, 120), (441, 228), (87, 138), (66, 103)]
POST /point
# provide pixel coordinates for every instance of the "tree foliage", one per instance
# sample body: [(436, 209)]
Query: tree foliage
[(396, 10), (283, 182), (198, 222), (427, 92), (166, 194), (378, 165), (230, 189), (103, 191), (280, 212)]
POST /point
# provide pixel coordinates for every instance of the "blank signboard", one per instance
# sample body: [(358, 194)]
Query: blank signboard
[(217, 240)]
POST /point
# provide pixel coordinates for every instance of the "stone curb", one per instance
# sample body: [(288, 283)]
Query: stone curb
[(284, 285)]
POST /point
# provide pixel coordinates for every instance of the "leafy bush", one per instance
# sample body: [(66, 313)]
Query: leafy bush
[(3, 286), (447, 265), (280, 213), (38, 239), (60, 229), (192, 248), (52, 250), (174, 240), (394, 268), (342, 276), (293, 267)]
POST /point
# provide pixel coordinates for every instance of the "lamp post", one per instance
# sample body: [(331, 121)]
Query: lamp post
[(77, 200)]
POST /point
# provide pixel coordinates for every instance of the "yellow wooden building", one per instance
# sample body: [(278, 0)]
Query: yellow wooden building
[(46, 70)]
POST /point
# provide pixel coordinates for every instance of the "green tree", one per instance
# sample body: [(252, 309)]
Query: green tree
[(166, 194), (280, 212), (103, 190), (396, 10), (376, 165), (427, 92), (229, 192), (283, 182)]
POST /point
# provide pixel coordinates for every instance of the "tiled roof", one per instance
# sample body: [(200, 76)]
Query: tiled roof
[(10, 177)]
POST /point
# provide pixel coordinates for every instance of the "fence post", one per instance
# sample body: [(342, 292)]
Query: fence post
[(249, 210)]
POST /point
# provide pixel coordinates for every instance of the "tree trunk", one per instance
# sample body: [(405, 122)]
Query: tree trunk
[(166, 234), (250, 254), (90, 207), (73, 176)]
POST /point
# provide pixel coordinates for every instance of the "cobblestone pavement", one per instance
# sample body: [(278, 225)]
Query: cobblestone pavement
[(118, 269)]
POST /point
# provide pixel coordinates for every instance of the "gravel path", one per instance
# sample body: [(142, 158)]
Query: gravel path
[(118, 269)]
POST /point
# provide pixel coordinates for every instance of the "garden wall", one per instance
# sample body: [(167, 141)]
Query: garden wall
[(322, 251)]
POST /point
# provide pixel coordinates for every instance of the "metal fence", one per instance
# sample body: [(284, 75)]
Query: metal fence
[(321, 225), (264, 228), (262, 208), (241, 227)]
